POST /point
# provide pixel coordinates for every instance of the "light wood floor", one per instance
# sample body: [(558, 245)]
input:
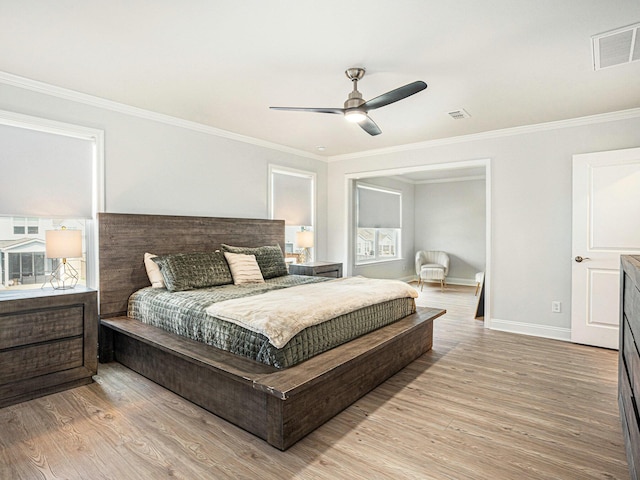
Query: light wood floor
[(481, 405)]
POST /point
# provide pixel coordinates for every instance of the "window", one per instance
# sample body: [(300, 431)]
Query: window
[(292, 199), (59, 167), (378, 232), (29, 226), (23, 260)]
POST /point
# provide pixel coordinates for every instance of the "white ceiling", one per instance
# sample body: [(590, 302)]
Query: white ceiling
[(223, 63)]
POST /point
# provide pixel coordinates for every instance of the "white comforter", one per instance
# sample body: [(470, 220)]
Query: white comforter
[(281, 314)]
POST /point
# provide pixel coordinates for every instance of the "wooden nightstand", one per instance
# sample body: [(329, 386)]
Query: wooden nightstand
[(317, 269), (48, 341)]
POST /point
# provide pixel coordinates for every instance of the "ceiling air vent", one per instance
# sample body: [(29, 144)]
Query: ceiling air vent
[(459, 114), (616, 47)]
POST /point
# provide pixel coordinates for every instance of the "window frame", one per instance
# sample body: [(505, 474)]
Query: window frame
[(93, 135), (376, 258), (312, 176)]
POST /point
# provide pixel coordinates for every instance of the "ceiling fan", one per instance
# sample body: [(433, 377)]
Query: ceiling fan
[(356, 109)]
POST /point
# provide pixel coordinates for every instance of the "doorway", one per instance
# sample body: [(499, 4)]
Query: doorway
[(476, 169)]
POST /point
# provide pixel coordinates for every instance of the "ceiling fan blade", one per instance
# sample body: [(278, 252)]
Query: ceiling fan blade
[(339, 111), (395, 95), (370, 126)]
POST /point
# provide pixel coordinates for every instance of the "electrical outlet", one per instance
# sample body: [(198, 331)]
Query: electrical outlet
[(556, 307)]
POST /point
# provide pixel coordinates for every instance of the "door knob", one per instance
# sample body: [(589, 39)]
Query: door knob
[(580, 259)]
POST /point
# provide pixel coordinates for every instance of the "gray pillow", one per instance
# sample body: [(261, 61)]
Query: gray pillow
[(270, 258), (186, 271)]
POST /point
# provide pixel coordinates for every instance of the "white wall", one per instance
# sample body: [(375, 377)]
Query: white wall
[(158, 168), (450, 216), (531, 210), (152, 167)]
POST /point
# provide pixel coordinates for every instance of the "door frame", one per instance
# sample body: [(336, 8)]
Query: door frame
[(484, 162)]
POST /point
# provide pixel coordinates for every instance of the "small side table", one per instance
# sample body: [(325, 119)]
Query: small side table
[(317, 269)]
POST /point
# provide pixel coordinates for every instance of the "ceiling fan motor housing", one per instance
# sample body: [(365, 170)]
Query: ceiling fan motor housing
[(354, 100), (355, 97)]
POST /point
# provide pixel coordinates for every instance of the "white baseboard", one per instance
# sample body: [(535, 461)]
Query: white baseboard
[(471, 282), (450, 280), (556, 333)]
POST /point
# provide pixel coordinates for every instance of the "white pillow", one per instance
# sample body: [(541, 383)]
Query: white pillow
[(244, 268), (153, 271)]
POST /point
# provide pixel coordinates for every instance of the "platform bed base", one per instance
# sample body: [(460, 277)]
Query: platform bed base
[(279, 406)]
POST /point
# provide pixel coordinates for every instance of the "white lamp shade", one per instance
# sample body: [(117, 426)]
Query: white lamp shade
[(63, 243), (304, 239)]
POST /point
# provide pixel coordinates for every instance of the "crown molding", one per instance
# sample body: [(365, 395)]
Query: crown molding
[(74, 96), (451, 179), (505, 132), (410, 181)]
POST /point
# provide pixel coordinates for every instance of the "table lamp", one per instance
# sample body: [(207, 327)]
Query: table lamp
[(304, 240), (63, 244)]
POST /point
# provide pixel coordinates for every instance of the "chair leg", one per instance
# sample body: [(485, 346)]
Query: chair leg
[(477, 288), (442, 285)]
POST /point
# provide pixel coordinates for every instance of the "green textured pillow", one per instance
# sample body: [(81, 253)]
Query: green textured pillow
[(270, 258), (186, 271)]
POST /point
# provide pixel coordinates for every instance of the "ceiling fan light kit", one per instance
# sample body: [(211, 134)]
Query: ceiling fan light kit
[(356, 109), (355, 116)]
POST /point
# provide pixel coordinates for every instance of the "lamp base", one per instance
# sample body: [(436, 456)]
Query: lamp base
[(305, 255), (64, 277)]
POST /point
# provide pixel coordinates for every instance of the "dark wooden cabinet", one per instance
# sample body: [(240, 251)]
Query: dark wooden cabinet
[(48, 342), (629, 361), (317, 269)]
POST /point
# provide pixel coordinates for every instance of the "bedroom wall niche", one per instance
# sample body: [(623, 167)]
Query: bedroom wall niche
[(443, 208)]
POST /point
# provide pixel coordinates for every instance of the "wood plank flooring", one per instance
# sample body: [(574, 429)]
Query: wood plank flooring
[(481, 405)]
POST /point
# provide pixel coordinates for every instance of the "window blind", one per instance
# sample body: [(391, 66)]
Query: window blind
[(292, 198), (378, 208), (44, 174)]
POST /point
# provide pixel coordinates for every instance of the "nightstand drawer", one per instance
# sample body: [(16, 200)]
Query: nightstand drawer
[(632, 305), (40, 326), (631, 358), (335, 273), (317, 269), (34, 360)]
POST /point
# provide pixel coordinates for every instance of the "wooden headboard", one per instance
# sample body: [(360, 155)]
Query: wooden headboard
[(124, 239)]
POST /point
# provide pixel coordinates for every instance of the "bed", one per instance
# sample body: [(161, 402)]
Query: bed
[(279, 405)]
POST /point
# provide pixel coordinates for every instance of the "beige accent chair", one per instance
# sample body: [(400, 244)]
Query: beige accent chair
[(432, 265)]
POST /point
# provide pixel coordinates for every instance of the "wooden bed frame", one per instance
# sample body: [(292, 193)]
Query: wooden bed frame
[(279, 406)]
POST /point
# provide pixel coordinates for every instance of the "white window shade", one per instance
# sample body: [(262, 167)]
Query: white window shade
[(378, 208), (44, 174), (293, 198)]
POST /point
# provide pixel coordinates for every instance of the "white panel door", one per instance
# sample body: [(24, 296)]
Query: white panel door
[(606, 224)]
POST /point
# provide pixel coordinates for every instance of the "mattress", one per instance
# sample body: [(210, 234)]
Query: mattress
[(184, 313)]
